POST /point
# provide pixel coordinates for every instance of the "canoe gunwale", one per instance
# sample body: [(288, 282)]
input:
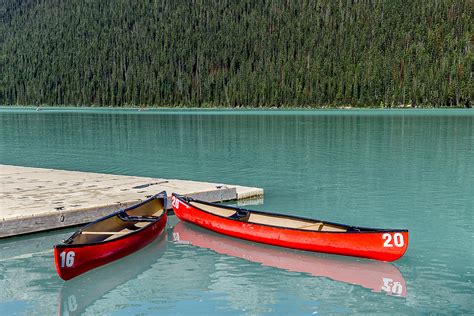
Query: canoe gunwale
[(350, 229)]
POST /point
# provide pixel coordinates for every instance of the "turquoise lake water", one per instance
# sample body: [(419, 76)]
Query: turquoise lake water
[(409, 169)]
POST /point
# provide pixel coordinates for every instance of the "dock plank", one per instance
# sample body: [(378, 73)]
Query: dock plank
[(37, 199)]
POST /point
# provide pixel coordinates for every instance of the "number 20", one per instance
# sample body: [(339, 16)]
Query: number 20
[(397, 240)]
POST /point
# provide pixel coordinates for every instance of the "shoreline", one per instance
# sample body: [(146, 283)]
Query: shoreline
[(276, 109)]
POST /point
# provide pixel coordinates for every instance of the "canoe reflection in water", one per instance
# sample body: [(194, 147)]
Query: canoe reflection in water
[(81, 292), (378, 276)]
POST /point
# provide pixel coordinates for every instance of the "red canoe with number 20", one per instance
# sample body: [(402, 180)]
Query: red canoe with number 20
[(112, 237), (293, 232)]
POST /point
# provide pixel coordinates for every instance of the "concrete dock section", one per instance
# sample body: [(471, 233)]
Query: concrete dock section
[(36, 199)]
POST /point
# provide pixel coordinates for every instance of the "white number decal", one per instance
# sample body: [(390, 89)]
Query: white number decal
[(174, 202), (397, 288), (397, 240), (72, 303), (176, 237), (388, 239), (392, 287), (67, 259)]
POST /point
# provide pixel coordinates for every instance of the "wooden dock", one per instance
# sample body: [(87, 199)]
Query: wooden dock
[(36, 199)]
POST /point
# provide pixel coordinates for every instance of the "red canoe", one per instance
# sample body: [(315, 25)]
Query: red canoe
[(293, 232), (111, 237), (380, 277)]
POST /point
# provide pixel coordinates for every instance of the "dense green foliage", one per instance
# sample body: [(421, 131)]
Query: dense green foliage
[(237, 53)]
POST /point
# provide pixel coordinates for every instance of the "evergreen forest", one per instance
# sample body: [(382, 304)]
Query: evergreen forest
[(233, 53)]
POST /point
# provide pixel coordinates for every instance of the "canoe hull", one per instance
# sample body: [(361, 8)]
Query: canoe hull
[(372, 245), (73, 260)]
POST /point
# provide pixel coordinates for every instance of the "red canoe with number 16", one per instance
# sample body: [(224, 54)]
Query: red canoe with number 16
[(293, 232), (112, 237)]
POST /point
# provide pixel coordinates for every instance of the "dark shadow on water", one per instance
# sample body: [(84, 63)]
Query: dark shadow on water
[(380, 277)]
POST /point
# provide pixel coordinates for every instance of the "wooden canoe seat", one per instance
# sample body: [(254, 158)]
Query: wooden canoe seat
[(141, 224)]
